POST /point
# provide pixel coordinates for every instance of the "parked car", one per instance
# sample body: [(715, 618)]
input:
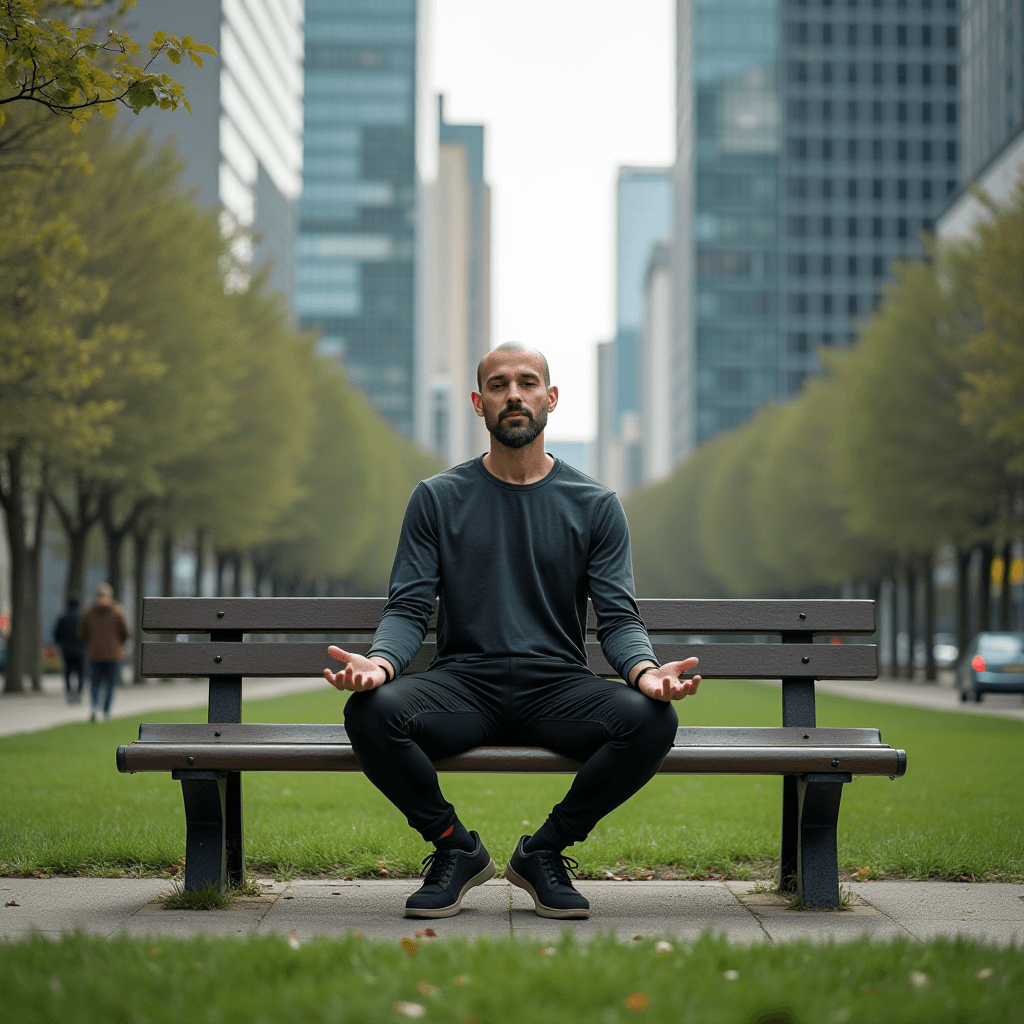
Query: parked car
[(992, 663)]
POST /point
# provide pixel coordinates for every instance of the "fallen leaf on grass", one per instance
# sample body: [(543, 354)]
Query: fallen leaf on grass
[(426, 933), (637, 938), (40, 874), (547, 951), (349, 878), (12, 903), (426, 989), (293, 939), (731, 975), (637, 1002), (410, 947), (462, 979), (78, 874), (411, 1010), (919, 980), (984, 974), (663, 947)]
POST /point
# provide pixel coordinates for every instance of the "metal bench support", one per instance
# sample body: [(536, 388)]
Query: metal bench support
[(817, 873), (205, 851)]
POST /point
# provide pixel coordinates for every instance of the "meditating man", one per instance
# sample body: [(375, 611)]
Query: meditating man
[(511, 544)]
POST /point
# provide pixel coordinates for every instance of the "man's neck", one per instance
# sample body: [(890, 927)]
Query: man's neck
[(524, 465)]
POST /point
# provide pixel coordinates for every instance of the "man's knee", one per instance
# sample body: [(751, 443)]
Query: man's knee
[(373, 711), (654, 722)]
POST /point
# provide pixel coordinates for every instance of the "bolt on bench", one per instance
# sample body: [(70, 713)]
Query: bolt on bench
[(815, 763)]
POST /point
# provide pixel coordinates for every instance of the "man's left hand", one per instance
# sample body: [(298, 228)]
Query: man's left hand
[(663, 683)]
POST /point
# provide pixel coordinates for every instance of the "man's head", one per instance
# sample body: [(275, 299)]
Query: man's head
[(515, 393), (104, 594)]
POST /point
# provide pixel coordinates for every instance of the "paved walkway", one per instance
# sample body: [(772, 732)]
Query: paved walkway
[(987, 912), (30, 712)]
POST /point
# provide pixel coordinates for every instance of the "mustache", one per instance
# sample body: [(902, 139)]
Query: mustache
[(521, 411)]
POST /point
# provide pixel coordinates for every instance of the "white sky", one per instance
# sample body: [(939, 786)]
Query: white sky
[(569, 90)]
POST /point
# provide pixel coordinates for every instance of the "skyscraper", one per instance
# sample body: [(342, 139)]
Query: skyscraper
[(243, 139), (456, 275), (816, 140), (355, 267)]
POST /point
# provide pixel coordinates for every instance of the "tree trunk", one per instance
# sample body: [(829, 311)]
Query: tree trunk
[(115, 535), (222, 558), (140, 549), (167, 564), (33, 590), (200, 559), (928, 571), (12, 498), (963, 602), (1004, 592), (77, 523), (985, 588), (893, 616), (910, 671), (236, 583)]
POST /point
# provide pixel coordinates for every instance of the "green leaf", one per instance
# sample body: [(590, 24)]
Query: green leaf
[(159, 37), (197, 60), (174, 56)]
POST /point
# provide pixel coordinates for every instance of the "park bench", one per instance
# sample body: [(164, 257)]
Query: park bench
[(208, 759)]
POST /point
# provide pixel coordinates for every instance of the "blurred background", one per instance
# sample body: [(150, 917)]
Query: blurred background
[(773, 250)]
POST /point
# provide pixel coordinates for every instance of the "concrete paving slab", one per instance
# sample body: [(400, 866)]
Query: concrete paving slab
[(945, 901), (831, 926)]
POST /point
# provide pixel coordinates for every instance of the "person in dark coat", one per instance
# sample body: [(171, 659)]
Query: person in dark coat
[(104, 630), (72, 649)]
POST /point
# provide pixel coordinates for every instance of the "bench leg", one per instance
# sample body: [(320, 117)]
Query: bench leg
[(817, 875), (234, 839), (205, 833), (789, 856)]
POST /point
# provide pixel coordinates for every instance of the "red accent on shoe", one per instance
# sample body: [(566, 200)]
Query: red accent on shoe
[(448, 832)]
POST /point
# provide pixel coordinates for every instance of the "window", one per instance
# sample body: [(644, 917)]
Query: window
[(826, 188), (826, 266), (901, 35), (876, 227), (926, 36), (797, 71), (797, 341), (926, 113), (798, 264), (876, 188), (851, 74), (826, 227), (797, 304), (877, 36), (797, 149), (878, 266), (851, 150), (826, 110), (901, 188), (950, 74), (851, 266), (901, 112), (901, 74), (851, 188), (950, 186), (797, 227), (797, 188), (926, 189), (826, 149), (851, 305), (877, 150), (730, 378), (927, 224), (876, 111), (901, 150), (951, 37), (851, 227), (877, 74), (826, 304), (950, 152), (926, 74), (851, 111), (926, 151), (826, 34), (826, 338), (851, 35), (950, 113), (901, 227), (798, 110), (826, 72)]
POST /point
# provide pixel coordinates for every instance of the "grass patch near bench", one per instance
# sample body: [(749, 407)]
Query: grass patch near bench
[(348, 980), (956, 814)]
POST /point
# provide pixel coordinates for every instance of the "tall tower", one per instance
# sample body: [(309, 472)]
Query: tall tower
[(355, 267)]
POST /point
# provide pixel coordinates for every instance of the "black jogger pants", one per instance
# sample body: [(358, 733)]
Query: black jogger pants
[(620, 735)]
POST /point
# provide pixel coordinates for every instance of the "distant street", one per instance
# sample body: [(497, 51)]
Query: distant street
[(30, 712)]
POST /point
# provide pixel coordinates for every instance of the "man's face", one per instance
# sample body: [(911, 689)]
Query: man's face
[(514, 400)]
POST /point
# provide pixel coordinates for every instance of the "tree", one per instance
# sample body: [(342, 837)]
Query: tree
[(76, 67)]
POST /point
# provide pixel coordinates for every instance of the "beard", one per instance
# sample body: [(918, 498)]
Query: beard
[(517, 437)]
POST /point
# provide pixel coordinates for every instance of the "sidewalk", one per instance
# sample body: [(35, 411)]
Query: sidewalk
[(30, 712), (990, 912)]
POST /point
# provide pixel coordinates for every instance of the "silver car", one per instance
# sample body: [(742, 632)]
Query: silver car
[(992, 663)]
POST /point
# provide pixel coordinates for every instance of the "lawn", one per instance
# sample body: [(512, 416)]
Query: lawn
[(956, 813), (335, 980)]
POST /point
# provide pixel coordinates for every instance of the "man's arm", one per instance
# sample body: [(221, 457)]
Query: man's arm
[(662, 682)]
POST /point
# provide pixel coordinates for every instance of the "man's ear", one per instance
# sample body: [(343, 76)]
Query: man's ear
[(478, 402), (552, 398)]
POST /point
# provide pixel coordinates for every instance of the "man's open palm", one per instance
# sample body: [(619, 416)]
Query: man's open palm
[(358, 674), (663, 683)]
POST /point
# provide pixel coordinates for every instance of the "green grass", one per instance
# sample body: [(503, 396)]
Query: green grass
[(957, 813), (335, 980)]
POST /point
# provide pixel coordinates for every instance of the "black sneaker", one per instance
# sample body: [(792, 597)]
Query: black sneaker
[(450, 874), (545, 876)]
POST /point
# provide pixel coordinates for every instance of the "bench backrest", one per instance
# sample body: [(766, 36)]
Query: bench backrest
[(225, 658)]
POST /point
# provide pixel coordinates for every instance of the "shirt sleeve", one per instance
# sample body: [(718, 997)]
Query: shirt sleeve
[(620, 630), (415, 578)]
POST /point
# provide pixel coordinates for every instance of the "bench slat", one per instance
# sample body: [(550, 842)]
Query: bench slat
[(361, 614), (717, 661), (219, 733), (767, 760)]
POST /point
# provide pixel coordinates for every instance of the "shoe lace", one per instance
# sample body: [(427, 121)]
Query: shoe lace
[(438, 867), (558, 867)]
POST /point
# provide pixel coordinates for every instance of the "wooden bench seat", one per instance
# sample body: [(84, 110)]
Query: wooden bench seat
[(815, 763)]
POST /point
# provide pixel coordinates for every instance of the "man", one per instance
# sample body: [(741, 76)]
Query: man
[(512, 544), (72, 650), (104, 631)]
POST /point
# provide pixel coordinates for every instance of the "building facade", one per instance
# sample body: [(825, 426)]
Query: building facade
[(243, 139), (821, 139), (655, 375), (355, 268), (456, 222)]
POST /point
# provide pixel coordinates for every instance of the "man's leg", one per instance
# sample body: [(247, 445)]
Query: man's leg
[(397, 731), (113, 677), (67, 680), (95, 688)]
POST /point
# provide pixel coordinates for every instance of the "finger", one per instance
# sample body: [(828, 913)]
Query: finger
[(337, 652), (678, 668)]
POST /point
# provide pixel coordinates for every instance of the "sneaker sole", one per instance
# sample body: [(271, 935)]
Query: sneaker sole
[(450, 911), (543, 911)]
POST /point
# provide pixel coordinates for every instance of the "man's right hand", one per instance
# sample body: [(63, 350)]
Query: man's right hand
[(358, 673)]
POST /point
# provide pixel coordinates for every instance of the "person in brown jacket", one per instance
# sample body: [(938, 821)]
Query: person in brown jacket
[(104, 630)]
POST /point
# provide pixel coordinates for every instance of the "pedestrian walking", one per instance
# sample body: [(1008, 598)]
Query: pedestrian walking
[(104, 630), (72, 649)]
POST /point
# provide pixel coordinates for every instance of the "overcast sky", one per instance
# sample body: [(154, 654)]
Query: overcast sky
[(569, 90)]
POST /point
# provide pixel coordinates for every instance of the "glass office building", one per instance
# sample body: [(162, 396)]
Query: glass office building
[(816, 141), (355, 265)]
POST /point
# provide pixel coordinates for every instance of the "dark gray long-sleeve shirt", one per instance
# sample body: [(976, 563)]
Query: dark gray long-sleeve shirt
[(512, 566)]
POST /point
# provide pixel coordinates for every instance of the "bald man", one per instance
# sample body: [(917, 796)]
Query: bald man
[(511, 544)]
